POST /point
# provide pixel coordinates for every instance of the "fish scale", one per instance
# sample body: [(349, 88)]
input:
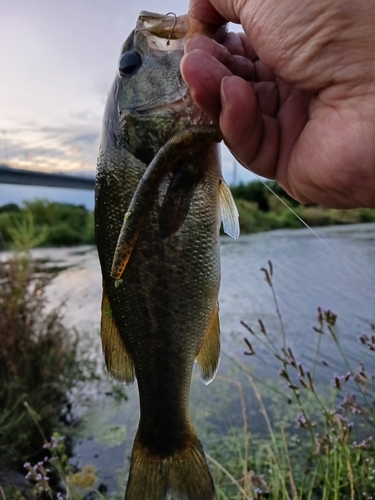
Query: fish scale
[(160, 314)]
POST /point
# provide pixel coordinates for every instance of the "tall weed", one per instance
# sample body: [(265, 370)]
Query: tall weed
[(318, 443), (40, 362)]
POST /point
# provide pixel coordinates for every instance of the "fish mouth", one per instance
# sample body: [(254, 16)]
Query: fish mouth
[(169, 33), (163, 32)]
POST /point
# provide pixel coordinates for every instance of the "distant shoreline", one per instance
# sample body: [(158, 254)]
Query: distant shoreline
[(253, 220), (41, 223)]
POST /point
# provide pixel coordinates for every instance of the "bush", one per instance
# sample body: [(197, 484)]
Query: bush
[(255, 192), (260, 210), (319, 442), (9, 207), (39, 362), (88, 236), (44, 223), (50, 213), (64, 235), (8, 220)]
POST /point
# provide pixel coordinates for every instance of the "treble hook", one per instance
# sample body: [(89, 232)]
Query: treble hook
[(173, 27)]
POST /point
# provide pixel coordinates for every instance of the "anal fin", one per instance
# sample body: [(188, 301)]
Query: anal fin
[(209, 354), (118, 361)]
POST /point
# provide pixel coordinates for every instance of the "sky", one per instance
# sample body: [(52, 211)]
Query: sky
[(57, 62)]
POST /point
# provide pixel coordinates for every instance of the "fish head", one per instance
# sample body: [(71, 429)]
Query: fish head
[(148, 93)]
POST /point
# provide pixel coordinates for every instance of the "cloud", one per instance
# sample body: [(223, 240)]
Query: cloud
[(86, 139), (57, 69), (51, 148)]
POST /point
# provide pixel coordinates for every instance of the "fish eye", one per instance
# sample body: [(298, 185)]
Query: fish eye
[(129, 63)]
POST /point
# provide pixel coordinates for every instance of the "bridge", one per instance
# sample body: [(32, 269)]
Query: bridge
[(10, 175)]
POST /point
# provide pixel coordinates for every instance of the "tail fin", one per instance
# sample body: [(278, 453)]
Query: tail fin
[(184, 475)]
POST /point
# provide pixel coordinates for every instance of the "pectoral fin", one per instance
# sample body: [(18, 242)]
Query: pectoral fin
[(118, 361), (177, 200), (209, 354), (229, 212)]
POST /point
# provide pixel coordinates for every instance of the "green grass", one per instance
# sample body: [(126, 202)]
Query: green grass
[(261, 211), (43, 223), (40, 361), (316, 438), (317, 443), (41, 364)]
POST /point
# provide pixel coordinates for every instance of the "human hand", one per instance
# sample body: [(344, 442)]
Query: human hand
[(295, 94)]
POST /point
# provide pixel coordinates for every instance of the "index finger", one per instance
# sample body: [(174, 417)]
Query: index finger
[(205, 12)]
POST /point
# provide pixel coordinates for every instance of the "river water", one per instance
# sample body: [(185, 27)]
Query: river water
[(306, 275)]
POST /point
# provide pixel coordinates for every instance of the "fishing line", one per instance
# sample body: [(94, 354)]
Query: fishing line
[(345, 262)]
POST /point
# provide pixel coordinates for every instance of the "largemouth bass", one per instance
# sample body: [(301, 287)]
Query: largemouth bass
[(160, 196)]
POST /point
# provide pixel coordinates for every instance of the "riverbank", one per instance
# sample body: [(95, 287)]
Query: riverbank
[(40, 223), (260, 210), (249, 418), (48, 375)]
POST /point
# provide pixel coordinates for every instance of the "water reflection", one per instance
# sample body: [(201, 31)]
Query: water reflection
[(306, 275)]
